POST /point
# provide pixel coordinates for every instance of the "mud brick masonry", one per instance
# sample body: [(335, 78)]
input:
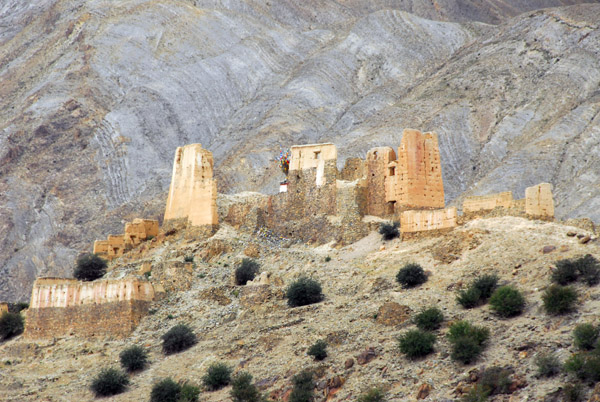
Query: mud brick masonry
[(60, 307), (135, 232)]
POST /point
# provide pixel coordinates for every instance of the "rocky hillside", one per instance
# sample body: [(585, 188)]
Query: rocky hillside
[(96, 95), (252, 329)]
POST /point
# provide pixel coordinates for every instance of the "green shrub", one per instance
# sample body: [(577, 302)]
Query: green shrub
[(416, 343), (318, 350), (429, 319), (243, 390), (20, 306), (589, 269), (165, 390), (89, 267), (486, 285), (469, 298), (573, 393), (389, 231), (109, 382), (177, 339), (11, 324), (559, 299), (565, 272), (188, 393), (372, 395), (496, 380), (304, 387), (468, 341), (476, 394), (327, 259), (507, 301), (585, 336), (585, 366), (304, 291), (246, 271), (547, 365), (217, 376), (134, 358), (188, 258), (411, 275)]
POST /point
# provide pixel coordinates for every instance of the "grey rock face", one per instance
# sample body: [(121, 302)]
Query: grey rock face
[(96, 95)]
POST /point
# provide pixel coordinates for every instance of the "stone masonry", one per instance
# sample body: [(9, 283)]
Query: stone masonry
[(487, 202), (539, 202), (428, 220), (60, 307), (377, 163), (135, 232), (193, 190), (414, 180)]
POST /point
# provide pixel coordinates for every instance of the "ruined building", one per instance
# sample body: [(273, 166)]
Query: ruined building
[(135, 232), (193, 191)]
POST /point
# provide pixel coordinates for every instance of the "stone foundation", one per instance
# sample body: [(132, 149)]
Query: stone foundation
[(428, 220)]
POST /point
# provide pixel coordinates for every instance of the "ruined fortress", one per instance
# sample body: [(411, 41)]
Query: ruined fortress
[(317, 204)]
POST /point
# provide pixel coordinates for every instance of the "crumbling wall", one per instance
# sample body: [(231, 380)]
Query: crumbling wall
[(135, 232), (487, 202), (353, 169), (193, 191), (539, 202), (3, 308), (377, 168), (415, 178), (428, 220), (60, 307)]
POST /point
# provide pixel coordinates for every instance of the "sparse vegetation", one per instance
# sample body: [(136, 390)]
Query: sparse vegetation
[(11, 324), (573, 393), (304, 386), (507, 301), (476, 394), (318, 350), (495, 380), (429, 319), (217, 376), (304, 291), (134, 358), (372, 395), (585, 366), (411, 275), (243, 390), (168, 390), (478, 292), (585, 336), (416, 343), (327, 259), (586, 268), (89, 267), (559, 299), (188, 258), (468, 341), (189, 393), (177, 339), (109, 382), (246, 271), (547, 364), (389, 231)]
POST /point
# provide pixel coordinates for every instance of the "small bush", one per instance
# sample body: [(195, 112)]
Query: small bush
[(89, 267), (327, 259), (304, 291), (507, 301), (373, 395), (165, 390), (389, 231), (109, 382), (589, 269), (547, 365), (486, 285), (559, 299), (217, 376), (585, 366), (468, 341), (565, 272), (246, 271), (134, 358), (430, 319), (304, 387), (496, 380), (20, 306), (243, 390), (416, 343), (476, 394), (178, 338), (318, 350), (573, 393), (11, 324), (188, 393), (411, 275), (585, 336), (469, 298), (188, 258)]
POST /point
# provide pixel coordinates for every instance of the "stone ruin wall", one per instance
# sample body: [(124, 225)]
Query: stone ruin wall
[(487, 202), (61, 307), (539, 202), (3, 308), (135, 233), (415, 178), (428, 220), (378, 160), (193, 190)]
